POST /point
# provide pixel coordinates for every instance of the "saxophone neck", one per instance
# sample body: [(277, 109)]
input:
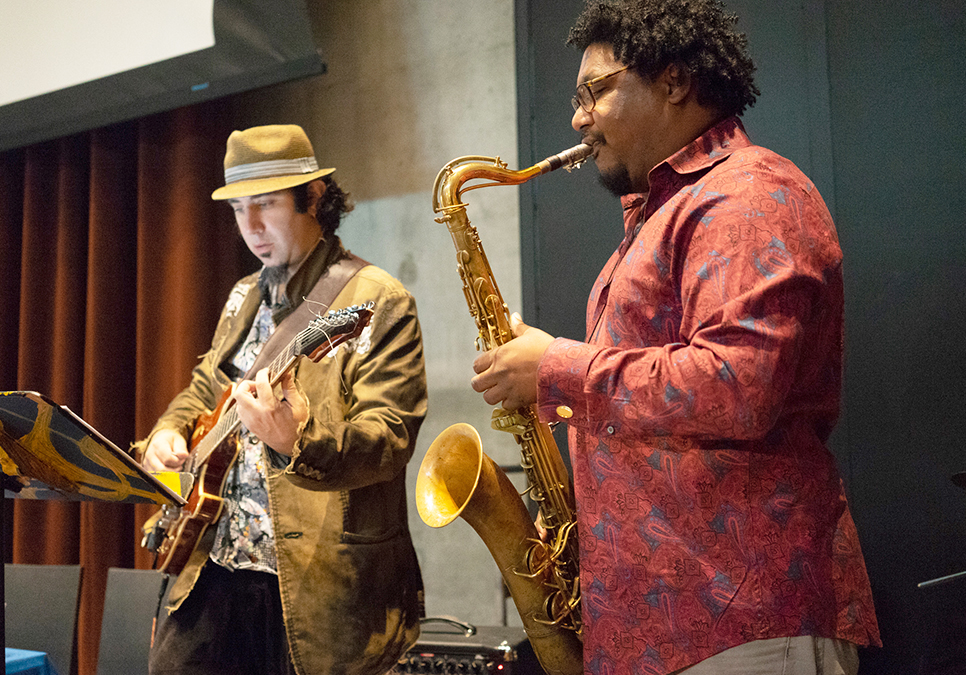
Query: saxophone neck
[(569, 159), (450, 182), (451, 179)]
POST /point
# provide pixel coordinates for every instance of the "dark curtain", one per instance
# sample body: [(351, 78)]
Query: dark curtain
[(114, 264)]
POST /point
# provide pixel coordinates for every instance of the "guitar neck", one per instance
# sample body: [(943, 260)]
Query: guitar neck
[(321, 336), (228, 422)]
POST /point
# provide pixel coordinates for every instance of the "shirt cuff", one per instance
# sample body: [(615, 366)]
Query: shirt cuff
[(560, 382)]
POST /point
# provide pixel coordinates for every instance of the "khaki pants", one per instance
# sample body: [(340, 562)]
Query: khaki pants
[(803, 655)]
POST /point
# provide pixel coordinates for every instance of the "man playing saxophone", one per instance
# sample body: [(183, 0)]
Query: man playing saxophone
[(714, 532)]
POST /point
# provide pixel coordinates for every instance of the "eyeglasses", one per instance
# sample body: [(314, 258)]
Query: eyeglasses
[(584, 98)]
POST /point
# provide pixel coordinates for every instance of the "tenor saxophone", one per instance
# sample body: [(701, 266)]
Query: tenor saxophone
[(456, 478)]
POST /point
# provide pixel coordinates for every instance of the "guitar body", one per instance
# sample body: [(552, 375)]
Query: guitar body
[(174, 533), (184, 527)]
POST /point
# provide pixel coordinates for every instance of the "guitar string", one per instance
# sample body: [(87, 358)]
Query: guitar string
[(205, 447), (225, 426)]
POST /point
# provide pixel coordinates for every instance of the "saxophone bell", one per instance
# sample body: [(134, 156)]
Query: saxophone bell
[(457, 479)]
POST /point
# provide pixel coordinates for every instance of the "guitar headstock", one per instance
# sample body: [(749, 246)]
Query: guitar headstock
[(327, 332)]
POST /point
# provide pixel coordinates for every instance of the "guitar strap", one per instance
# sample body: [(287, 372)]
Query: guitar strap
[(322, 294)]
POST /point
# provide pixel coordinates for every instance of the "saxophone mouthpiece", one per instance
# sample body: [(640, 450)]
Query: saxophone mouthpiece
[(569, 159)]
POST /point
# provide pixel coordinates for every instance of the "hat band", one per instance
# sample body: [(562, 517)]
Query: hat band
[(270, 169)]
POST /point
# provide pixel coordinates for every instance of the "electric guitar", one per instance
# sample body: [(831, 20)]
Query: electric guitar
[(174, 532)]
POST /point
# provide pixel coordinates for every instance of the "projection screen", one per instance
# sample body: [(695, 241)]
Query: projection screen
[(71, 66)]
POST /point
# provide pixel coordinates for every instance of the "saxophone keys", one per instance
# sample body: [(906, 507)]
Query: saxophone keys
[(509, 421)]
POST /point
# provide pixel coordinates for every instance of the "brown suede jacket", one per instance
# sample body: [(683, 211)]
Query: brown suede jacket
[(350, 583)]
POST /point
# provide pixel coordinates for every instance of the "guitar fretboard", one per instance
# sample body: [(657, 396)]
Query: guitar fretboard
[(333, 328), (229, 422)]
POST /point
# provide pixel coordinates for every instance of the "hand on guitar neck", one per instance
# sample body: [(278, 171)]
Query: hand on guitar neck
[(270, 406), (274, 419)]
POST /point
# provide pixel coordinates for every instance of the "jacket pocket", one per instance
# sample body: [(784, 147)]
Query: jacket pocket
[(373, 538)]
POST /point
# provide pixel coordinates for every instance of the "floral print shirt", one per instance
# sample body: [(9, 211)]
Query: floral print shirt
[(710, 512), (244, 539)]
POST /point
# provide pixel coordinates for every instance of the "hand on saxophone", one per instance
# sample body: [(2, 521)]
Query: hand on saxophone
[(508, 373)]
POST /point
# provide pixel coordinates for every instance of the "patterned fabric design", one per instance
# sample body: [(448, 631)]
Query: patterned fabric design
[(245, 539), (236, 297), (710, 511)]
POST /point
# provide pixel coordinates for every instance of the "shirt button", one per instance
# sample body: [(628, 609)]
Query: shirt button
[(610, 429), (565, 412)]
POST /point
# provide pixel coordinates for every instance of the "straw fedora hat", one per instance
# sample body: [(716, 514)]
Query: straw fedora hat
[(266, 159)]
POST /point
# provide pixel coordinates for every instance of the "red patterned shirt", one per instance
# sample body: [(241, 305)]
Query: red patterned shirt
[(710, 511)]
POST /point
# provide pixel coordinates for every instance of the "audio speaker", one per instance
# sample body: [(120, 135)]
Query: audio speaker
[(479, 650)]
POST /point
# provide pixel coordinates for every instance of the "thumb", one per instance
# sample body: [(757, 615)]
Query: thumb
[(517, 326)]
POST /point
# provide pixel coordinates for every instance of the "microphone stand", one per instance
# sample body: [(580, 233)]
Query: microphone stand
[(959, 479)]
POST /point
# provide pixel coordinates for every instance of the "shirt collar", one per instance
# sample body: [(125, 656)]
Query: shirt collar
[(702, 153), (710, 147)]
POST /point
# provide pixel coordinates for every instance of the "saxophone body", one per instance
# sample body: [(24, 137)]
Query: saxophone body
[(456, 478)]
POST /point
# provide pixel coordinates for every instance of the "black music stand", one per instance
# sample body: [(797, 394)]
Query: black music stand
[(48, 452)]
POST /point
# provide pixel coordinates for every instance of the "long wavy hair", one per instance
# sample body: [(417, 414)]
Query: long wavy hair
[(332, 207)]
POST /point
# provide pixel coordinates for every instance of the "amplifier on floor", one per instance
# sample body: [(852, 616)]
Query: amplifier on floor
[(449, 646)]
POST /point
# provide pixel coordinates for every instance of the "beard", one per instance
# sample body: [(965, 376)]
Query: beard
[(269, 279), (617, 181), (273, 276)]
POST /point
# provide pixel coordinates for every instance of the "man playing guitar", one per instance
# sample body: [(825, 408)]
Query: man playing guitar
[(304, 562)]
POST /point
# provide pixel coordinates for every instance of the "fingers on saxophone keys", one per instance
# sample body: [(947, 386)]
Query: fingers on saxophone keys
[(482, 362)]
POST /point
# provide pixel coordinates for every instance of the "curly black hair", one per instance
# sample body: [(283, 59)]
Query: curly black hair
[(333, 206), (649, 35)]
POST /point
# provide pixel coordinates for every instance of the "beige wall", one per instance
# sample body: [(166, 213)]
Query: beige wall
[(412, 84)]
